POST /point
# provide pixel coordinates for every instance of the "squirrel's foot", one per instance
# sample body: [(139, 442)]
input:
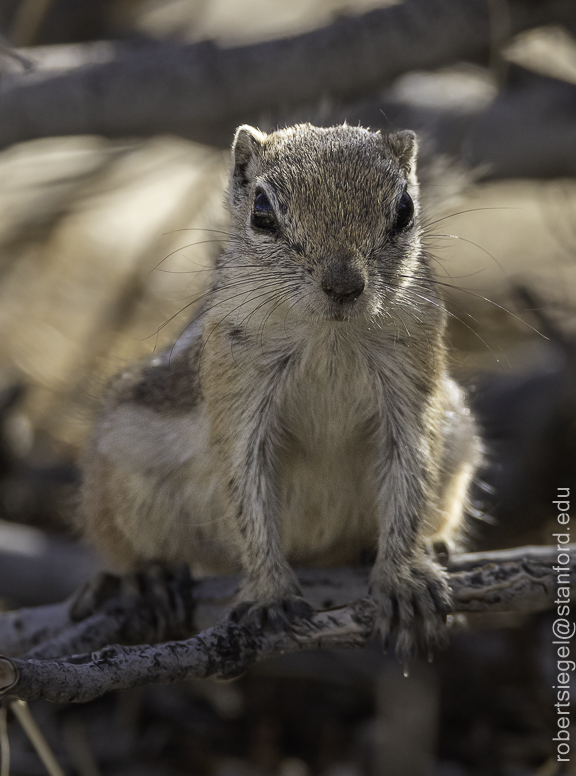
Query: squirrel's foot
[(414, 604), (166, 592), (280, 614)]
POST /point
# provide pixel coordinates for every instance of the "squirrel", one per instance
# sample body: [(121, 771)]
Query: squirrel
[(306, 416)]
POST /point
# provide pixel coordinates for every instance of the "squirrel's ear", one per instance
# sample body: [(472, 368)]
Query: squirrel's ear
[(247, 142), (405, 147)]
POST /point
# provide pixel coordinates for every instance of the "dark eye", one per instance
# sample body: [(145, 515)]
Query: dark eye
[(404, 214), (263, 214)]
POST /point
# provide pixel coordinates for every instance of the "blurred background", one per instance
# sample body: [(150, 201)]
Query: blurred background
[(116, 117)]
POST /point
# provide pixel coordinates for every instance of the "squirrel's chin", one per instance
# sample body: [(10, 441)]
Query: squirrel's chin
[(341, 313)]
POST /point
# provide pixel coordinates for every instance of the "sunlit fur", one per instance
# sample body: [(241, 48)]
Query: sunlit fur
[(286, 426)]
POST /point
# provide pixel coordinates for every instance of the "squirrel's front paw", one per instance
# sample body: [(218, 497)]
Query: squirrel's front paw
[(276, 615), (414, 604), (159, 596)]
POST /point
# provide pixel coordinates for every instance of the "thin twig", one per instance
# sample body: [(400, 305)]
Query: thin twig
[(25, 718), (4, 743)]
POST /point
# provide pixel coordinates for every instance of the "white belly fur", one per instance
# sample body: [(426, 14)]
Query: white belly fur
[(328, 498)]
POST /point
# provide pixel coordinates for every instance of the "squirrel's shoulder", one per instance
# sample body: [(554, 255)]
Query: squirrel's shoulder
[(167, 382)]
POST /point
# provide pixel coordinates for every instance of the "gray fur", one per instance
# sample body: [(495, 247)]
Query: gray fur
[(289, 426)]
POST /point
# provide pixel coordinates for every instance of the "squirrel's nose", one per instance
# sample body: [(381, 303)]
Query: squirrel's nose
[(345, 290)]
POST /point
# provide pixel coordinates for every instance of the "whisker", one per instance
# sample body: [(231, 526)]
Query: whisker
[(409, 290), (252, 299), (490, 301), (276, 300), (183, 247), (301, 299), (196, 229), (283, 297), (204, 269), (198, 299), (426, 224), (471, 242), (204, 311)]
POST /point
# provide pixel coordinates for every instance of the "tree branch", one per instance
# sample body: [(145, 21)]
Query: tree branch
[(520, 580), (159, 88), (36, 568), (528, 131), (224, 651)]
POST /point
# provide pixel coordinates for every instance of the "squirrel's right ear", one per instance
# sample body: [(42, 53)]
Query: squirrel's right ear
[(247, 142), (405, 146)]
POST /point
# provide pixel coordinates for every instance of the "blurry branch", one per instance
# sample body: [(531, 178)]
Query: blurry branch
[(191, 89), (36, 568), (529, 130), (520, 580), (8, 51), (27, 21)]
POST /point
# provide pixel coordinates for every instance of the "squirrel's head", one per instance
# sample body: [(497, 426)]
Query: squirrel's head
[(332, 212)]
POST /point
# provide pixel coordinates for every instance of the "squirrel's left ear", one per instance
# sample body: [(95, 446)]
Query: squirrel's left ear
[(247, 143), (404, 145)]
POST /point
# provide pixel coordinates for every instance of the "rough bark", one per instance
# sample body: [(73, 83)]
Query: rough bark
[(520, 580)]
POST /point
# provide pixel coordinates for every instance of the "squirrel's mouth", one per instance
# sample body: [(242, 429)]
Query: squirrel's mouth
[(339, 312)]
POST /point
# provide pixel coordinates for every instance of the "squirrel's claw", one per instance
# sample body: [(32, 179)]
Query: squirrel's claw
[(415, 608), (166, 591), (276, 615)]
